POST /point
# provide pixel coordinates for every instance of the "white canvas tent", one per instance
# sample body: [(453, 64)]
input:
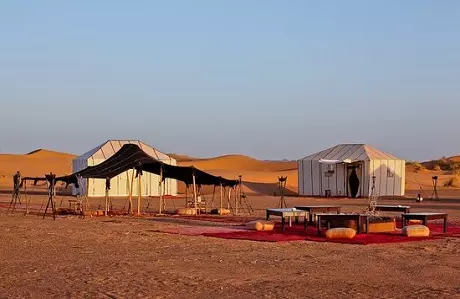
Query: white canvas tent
[(119, 185), (347, 170)]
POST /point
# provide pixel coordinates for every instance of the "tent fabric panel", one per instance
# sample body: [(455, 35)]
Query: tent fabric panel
[(307, 178), (367, 178), (403, 177), (300, 175), (316, 178), (334, 153), (351, 151), (333, 181), (391, 177), (340, 180)]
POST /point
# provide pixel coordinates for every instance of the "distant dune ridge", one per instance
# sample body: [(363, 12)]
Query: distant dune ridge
[(260, 177)]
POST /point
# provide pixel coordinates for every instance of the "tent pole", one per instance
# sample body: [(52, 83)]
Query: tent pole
[(161, 190), (229, 197), (139, 193), (236, 199), (213, 196), (186, 195), (194, 192), (106, 201), (130, 209), (221, 199)]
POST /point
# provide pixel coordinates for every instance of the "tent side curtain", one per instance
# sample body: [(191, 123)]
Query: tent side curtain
[(131, 156)]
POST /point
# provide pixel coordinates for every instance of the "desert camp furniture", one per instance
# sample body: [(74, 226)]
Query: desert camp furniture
[(359, 218), (425, 216), (319, 209), (389, 208), (283, 213)]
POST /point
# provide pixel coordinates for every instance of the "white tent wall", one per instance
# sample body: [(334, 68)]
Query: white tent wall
[(339, 175), (120, 185), (389, 177)]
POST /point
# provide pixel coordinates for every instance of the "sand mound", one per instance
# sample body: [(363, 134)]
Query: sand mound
[(240, 162)]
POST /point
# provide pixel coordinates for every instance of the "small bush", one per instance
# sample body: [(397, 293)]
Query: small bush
[(437, 168), (452, 182), (419, 167), (455, 172)]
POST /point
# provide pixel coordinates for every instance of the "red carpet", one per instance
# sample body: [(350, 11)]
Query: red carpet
[(297, 233)]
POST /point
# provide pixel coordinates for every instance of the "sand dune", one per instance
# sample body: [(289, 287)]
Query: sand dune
[(35, 163), (239, 162), (259, 177)]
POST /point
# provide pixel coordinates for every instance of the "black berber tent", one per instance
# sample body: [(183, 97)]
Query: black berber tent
[(131, 156)]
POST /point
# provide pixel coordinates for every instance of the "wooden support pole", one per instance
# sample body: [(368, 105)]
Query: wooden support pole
[(194, 193), (221, 206), (161, 191), (130, 197), (139, 193), (106, 212), (186, 195), (229, 197)]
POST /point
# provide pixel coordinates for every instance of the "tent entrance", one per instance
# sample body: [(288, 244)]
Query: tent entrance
[(354, 180)]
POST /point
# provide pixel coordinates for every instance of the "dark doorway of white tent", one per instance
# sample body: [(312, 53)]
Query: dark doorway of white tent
[(354, 180)]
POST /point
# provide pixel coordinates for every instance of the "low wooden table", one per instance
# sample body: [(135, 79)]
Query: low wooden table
[(425, 216), (390, 208), (318, 209), (359, 218), (283, 213)]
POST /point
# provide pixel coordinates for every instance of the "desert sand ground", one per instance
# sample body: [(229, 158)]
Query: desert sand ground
[(125, 257)]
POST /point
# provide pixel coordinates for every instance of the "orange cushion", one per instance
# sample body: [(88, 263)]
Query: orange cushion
[(260, 225), (416, 231), (340, 233)]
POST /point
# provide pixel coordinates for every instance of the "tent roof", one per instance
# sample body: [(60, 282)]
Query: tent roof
[(353, 152), (132, 156), (110, 147)]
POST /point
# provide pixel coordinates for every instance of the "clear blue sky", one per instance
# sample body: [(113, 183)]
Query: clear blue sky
[(270, 79)]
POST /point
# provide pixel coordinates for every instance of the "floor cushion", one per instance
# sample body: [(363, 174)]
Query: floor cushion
[(260, 225), (340, 233), (416, 231)]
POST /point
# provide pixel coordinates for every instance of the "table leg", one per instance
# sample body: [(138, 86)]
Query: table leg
[(268, 215), (310, 216), (296, 219), (282, 224), (403, 218), (290, 221), (358, 229), (367, 225), (425, 221), (318, 224), (305, 222)]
